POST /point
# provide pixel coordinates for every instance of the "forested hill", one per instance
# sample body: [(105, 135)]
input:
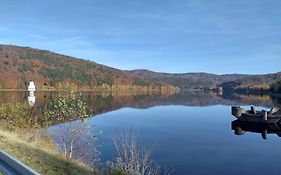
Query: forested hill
[(49, 70), (229, 82), (19, 65), (267, 82), (188, 80)]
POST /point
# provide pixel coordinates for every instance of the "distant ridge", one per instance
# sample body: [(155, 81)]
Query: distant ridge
[(188, 80), (255, 83)]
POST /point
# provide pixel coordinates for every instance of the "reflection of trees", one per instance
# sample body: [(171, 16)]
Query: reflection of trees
[(100, 102), (265, 100), (12, 96)]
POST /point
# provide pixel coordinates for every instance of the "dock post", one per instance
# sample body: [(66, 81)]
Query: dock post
[(264, 134), (264, 114)]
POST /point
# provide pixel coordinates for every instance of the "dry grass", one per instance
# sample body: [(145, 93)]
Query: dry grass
[(43, 160)]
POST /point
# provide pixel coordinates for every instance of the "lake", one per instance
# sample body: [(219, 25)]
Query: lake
[(187, 133)]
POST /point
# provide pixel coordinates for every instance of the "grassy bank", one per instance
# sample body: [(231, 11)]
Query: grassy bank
[(43, 161)]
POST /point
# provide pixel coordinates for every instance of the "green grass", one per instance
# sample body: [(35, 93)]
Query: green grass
[(41, 160)]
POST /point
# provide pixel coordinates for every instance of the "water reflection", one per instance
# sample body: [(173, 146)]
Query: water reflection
[(241, 128), (102, 102), (172, 126), (31, 99)]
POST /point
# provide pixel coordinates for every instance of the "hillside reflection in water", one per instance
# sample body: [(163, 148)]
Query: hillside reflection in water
[(190, 132)]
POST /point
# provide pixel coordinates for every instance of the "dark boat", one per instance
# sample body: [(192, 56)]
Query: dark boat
[(254, 116), (240, 128)]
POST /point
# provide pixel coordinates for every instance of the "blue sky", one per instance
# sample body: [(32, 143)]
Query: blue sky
[(216, 36)]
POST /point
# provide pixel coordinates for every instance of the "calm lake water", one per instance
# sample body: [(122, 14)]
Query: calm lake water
[(190, 133)]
